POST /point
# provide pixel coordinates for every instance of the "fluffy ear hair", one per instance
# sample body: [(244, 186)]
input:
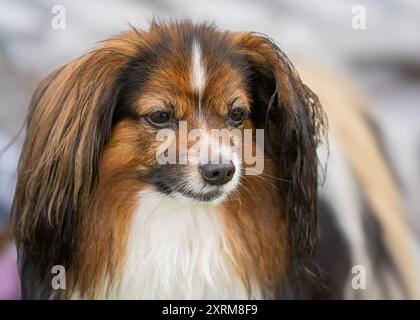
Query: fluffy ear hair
[(69, 120), (294, 123)]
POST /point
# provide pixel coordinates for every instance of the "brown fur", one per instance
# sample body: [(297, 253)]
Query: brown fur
[(5, 238)]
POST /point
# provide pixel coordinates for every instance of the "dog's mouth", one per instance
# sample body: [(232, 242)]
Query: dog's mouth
[(203, 196), (184, 192), (181, 184)]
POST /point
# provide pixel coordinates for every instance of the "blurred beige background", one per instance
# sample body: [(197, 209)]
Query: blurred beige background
[(383, 59)]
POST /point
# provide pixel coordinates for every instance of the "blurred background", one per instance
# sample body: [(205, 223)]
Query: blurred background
[(382, 59)]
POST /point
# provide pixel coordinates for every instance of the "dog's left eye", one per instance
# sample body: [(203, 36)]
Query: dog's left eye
[(159, 118), (236, 116)]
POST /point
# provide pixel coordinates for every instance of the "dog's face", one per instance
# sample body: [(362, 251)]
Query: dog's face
[(193, 83), (94, 141)]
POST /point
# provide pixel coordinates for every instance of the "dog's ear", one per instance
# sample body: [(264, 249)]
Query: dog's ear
[(69, 121), (294, 124)]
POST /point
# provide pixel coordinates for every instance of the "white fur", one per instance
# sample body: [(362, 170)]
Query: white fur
[(195, 182), (179, 251), (198, 71)]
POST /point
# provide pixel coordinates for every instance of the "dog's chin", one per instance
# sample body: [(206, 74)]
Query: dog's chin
[(205, 195), (209, 197)]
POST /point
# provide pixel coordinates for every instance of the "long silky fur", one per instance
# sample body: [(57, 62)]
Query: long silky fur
[(295, 124), (71, 118)]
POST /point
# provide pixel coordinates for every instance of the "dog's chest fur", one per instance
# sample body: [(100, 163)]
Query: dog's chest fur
[(179, 251)]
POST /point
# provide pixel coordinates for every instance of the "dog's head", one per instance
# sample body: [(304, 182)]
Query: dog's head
[(108, 114)]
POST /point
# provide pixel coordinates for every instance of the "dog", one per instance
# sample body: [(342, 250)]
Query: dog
[(93, 196)]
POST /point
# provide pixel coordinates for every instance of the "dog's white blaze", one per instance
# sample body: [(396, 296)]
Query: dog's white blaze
[(179, 251), (198, 71), (219, 151)]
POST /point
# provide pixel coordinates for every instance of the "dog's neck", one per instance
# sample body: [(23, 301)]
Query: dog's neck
[(179, 250), (160, 247)]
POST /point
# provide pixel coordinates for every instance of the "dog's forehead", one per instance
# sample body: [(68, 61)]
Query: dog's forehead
[(199, 65)]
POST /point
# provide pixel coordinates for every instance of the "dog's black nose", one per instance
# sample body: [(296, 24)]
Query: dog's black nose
[(217, 174)]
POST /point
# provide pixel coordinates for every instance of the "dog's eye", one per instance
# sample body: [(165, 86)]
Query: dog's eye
[(159, 118), (236, 116)]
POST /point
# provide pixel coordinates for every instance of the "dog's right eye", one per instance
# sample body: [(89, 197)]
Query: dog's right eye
[(159, 118)]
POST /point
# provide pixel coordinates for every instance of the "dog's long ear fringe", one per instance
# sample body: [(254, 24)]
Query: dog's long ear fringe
[(69, 121), (295, 125)]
